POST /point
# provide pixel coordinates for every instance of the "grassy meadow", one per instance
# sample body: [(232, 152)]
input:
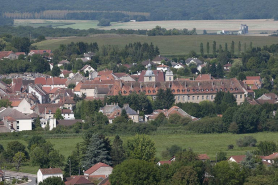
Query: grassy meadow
[(168, 45), (199, 143)]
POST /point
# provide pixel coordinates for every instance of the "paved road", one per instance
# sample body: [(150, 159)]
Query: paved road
[(31, 177)]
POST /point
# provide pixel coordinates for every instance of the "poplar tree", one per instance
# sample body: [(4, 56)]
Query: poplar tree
[(208, 48), (202, 49)]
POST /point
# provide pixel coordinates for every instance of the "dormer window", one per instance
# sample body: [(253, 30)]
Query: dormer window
[(149, 91), (183, 90), (188, 90), (154, 91), (173, 90), (178, 90)]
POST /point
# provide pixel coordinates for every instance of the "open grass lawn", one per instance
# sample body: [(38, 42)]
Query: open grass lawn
[(168, 45), (199, 143)]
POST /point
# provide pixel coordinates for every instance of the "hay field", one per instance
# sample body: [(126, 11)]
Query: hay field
[(255, 25), (168, 45)]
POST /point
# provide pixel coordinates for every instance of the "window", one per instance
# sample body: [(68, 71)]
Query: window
[(188, 97), (207, 97), (178, 97), (178, 90), (193, 97), (150, 78), (202, 97), (197, 97), (240, 96), (170, 78), (212, 97), (236, 95), (183, 98)]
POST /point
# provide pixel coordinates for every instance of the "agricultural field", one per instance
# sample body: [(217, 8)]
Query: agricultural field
[(199, 143), (255, 25), (168, 45)]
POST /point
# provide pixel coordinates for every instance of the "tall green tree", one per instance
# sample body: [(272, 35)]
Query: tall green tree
[(212, 70), (164, 99), (208, 49), (117, 152), (135, 171), (233, 48), (55, 71), (58, 114), (266, 148), (214, 49), (96, 152), (202, 49), (219, 71), (141, 147), (185, 175), (239, 48), (226, 47), (18, 158), (52, 181)]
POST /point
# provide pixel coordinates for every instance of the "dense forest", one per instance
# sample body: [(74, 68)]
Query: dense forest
[(141, 10)]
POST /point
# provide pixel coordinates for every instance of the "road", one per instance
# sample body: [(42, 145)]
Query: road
[(31, 177)]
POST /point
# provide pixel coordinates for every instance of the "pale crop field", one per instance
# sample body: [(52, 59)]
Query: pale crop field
[(255, 25)]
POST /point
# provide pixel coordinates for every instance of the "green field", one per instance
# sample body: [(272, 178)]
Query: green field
[(168, 45), (199, 143)]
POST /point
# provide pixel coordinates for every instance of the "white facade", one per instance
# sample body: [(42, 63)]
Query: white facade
[(89, 69), (24, 107), (68, 116), (162, 68), (38, 95), (88, 92), (41, 177), (24, 124), (178, 66)]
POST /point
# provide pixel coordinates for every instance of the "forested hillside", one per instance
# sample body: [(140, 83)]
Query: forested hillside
[(153, 10)]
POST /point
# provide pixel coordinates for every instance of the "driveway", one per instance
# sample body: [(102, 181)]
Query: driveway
[(31, 177)]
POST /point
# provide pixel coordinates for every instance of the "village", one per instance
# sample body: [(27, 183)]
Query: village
[(52, 100)]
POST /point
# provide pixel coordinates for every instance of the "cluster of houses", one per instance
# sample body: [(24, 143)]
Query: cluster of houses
[(100, 172), (34, 95), (97, 173)]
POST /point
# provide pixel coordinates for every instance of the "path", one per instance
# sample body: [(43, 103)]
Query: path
[(30, 176)]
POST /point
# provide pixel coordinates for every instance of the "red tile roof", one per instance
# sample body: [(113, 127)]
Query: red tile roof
[(15, 103), (204, 77), (5, 54), (40, 80), (159, 76), (165, 162), (105, 72), (78, 180), (49, 171), (78, 86), (203, 157), (253, 78), (46, 89), (272, 156), (95, 168), (238, 158), (56, 81), (40, 52)]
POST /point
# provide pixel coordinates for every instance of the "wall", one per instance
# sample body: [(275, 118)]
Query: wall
[(88, 92), (24, 107), (25, 124), (41, 177)]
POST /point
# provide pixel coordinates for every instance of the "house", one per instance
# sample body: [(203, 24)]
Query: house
[(40, 81), (227, 67), (67, 114), (113, 111), (15, 120), (64, 73), (76, 89), (270, 98), (22, 106), (203, 157), (75, 79), (63, 62), (200, 67), (158, 59), (159, 163), (89, 55), (194, 61), (270, 159), (38, 91), (253, 82), (162, 67), (178, 66), (51, 65), (87, 68), (147, 62), (40, 52), (56, 82), (44, 173), (237, 158), (10, 55), (204, 77), (78, 180), (99, 169)]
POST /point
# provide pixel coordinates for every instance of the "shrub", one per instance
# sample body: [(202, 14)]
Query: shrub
[(230, 147), (246, 141)]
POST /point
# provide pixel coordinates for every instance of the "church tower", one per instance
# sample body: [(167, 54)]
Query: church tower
[(149, 75), (169, 76)]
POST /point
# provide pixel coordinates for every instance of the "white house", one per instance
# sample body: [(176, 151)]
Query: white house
[(37, 90), (22, 106), (87, 68), (99, 169), (15, 120), (67, 114), (178, 66), (162, 68), (43, 174)]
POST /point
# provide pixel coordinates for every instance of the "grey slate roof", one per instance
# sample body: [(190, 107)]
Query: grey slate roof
[(12, 113), (108, 109), (129, 110), (196, 60)]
